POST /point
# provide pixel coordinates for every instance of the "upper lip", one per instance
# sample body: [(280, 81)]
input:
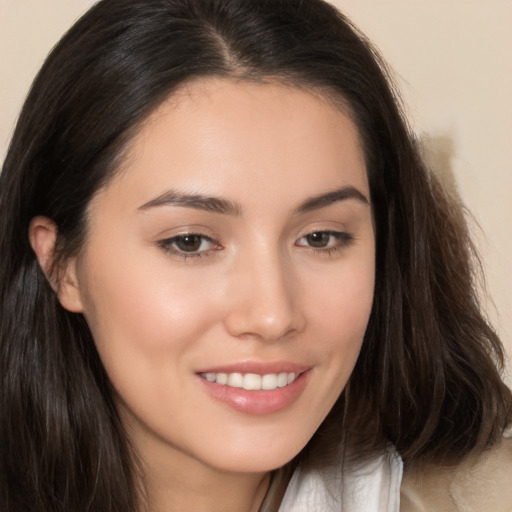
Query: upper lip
[(257, 367)]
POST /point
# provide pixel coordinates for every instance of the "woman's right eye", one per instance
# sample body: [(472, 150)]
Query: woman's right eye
[(188, 245)]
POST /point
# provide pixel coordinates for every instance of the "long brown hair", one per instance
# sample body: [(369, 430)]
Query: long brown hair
[(427, 379)]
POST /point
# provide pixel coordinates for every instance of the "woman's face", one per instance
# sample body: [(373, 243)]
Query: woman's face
[(234, 248)]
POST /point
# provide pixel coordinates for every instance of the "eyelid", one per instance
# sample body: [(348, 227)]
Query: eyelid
[(167, 245), (343, 237), (332, 232), (184, 229)]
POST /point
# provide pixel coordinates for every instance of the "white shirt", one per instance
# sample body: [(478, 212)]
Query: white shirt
[(371, 487)]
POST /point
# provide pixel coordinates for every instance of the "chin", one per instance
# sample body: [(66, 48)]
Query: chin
[(258, 457)]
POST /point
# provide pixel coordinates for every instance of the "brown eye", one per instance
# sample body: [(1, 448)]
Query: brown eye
[(188, 243), (326, 240), (318, 240)]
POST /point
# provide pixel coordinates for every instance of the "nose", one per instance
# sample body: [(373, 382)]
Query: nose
[(264, 302)]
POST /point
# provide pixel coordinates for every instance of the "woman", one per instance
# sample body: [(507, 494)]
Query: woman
[(240, 289)]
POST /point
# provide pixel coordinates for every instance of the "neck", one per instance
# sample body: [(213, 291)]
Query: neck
[(174, 481), (172, 487)]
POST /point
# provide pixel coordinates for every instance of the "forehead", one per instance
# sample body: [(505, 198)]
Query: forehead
[(219, 135)]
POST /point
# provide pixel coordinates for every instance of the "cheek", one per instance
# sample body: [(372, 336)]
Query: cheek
[(342, 317), (138, 313), (343, 305)]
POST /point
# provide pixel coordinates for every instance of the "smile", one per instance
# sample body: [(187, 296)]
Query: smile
[(251, 381), (259, 393)]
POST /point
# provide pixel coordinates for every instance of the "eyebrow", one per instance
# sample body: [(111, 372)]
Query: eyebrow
[(323, 200), (197, 201), (227, 207)]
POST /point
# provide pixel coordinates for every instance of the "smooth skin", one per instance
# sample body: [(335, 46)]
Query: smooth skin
[(264, 272)]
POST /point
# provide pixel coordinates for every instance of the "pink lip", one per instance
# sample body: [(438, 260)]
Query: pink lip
[(257, 367), (257, 402)]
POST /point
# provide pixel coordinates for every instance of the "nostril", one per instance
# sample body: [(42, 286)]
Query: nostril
[(263, 302), (269, 327)]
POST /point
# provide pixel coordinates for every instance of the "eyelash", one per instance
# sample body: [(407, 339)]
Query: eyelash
[(168, 245), (343, 240)]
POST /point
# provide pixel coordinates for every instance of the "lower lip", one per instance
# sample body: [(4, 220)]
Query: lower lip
[(257, 402)]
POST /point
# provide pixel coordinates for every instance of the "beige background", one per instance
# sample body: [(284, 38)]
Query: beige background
[(453, 65)]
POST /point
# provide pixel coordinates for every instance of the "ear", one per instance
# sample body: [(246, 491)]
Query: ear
[(42, 234)]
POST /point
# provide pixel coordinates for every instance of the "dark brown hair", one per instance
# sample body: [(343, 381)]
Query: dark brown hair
[(427, 379)]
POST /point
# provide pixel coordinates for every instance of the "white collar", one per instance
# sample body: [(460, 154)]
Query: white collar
[(372, 487)]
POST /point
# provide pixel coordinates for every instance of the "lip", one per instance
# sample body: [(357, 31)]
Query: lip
[(258, 402), (258, 367)]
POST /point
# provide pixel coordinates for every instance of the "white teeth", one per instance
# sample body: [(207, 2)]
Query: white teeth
[(222, 378), (282, 380), (235, 380), (269, 381), (252, 381)]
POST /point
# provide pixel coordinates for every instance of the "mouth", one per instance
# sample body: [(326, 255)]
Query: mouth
[(256, 389), (251, 381)]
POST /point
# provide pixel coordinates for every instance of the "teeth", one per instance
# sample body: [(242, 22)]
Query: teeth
[(269, 381), (235, 380), (282, 380), (222, 378), (252, 381)]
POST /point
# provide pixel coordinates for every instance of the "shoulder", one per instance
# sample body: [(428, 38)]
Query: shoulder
[(480, 483)]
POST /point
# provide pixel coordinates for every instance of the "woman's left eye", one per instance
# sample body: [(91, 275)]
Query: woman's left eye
[(325, 240), (189, 244)]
